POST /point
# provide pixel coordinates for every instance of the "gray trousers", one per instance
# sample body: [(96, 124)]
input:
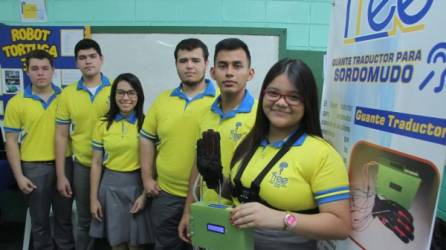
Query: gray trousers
[(266, 239), (166, 211), (43, 175), (81, 184)]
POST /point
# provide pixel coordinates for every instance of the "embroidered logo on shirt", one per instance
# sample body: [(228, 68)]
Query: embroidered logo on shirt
[(23, 133), (235, 135), (277, 180)]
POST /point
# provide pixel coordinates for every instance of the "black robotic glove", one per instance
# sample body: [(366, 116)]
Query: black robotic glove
[(209, 159), (395, 217)]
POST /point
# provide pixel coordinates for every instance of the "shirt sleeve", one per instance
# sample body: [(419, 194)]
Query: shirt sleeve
[(330, 180), (63, 112), (150, 125), (12, 122), (97, 139)]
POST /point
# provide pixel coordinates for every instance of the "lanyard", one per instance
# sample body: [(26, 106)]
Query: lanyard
[(255, 184)]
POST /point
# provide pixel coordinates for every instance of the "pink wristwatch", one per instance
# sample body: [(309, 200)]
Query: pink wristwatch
[(290, 221)]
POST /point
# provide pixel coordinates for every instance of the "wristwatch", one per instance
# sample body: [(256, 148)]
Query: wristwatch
[(290, 221)]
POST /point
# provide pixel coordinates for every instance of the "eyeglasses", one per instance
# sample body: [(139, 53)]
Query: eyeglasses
[(130, 93), (291, 99)]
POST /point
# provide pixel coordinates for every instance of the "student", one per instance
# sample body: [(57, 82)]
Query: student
[(31, 115), (81, 105), (168, 141), (305, 194), (231, 115), (118, 202)]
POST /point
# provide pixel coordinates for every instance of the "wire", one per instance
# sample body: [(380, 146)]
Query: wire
[(363, 198)]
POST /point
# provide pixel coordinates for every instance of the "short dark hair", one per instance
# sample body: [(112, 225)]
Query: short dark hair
[(139, 108), (232, 44), (87, 44), (191, 44), (301, 76), (39, 54)]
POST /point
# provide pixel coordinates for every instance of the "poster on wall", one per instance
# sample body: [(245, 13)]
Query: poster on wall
[(17, 41), (12, 80), (383, 109), (33, 11)]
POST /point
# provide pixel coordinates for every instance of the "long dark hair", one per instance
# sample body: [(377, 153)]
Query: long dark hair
[(114, 109), (301, 76)]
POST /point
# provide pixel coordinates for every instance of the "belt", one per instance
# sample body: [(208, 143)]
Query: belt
[(53, 162), (41, 162)]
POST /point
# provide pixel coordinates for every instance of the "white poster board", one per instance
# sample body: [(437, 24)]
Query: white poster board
[(150, 56), (383, 108)]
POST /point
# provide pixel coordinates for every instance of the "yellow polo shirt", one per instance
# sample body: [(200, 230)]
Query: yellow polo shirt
[(171, 123), (80, 109), (120, 143), (34, 119), (232, 126), (311, 173)]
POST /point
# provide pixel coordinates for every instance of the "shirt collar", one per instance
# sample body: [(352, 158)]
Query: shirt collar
[(131, 118), (244, 107), (279, 143), (104, 82), (28, 93), (208, 91)]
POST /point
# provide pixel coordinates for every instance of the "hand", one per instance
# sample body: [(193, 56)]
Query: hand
[(26, 185), (208, 159), (256, 215), (395, 217), (64, 187), (151, 187), (139, 204), (96, 209), (183, 227)]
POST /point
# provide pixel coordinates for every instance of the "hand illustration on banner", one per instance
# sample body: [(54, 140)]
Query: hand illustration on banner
[(438, 52), (395, 217)]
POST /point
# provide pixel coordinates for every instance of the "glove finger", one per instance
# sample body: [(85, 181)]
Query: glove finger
[(213, 142), (400, 210), (397, 231), (200, 148), (217, 148), (404, 236), (402, 230), (404, 223), (404, 213), (208, 136), (404, 216)]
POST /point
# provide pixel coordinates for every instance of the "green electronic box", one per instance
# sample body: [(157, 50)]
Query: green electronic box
[(210, 228), (397, 183)]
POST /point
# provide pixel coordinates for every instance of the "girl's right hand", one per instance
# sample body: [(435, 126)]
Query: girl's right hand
[(96, 209)]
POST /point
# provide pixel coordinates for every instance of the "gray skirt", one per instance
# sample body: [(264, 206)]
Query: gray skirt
[(117, 193), (266, 239)]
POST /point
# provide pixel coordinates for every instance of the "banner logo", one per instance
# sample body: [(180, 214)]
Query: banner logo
[(383, 18)]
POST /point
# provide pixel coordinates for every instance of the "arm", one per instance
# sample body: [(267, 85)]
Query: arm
[(147, 152), (139, 203), (184, 222), (61, 142), (208, 163), (95, 176), (13, 154), (333, 221)]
